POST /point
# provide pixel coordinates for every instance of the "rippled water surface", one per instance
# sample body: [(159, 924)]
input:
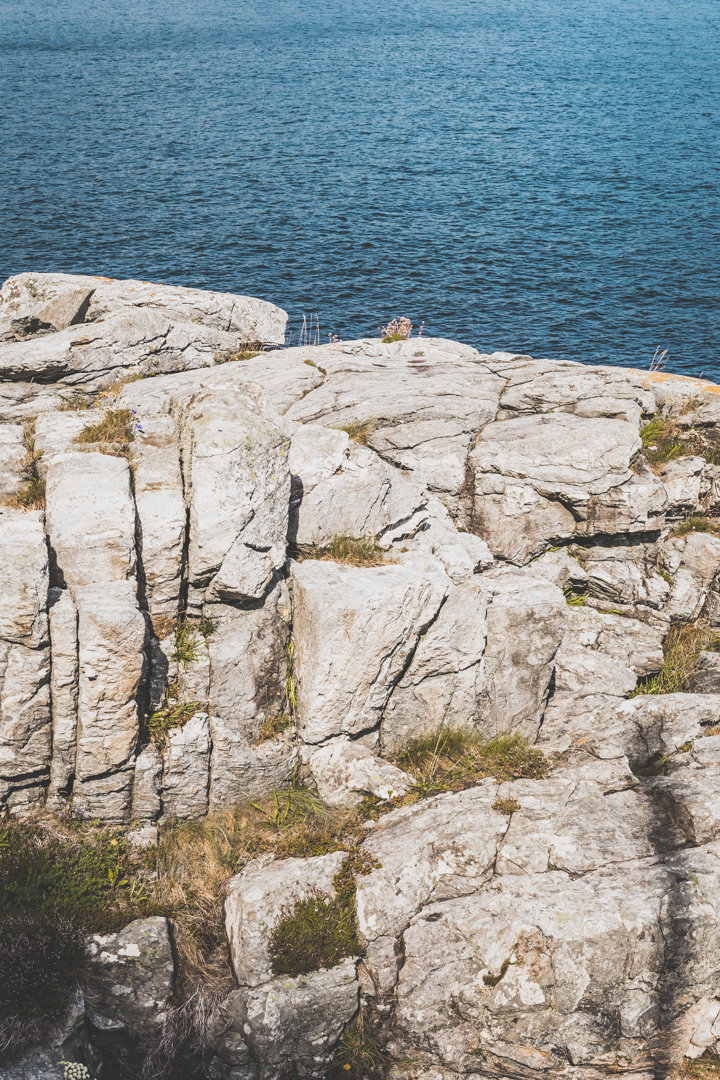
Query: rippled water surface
[(540, 175)]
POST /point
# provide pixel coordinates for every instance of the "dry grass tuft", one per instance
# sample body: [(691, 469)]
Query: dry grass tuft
[(246, 350), (31, 495), (682, 648), (705, 1067), (454, 759), (697, 524), (360, 432), (349, 550), (665, 440), (274, 726), (116, 426)]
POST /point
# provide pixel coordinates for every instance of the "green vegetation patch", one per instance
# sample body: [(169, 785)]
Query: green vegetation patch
[(186, 646), (665, 440), (696, 524), (454, 759), (173, 714), (40, 958), (317, 932), (682, 648)]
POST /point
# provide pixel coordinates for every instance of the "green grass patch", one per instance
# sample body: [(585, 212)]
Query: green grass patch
[(274, 726), (696, 524), (359, 1053), (116, 426), (682, 648), (173, 714), (572, 598), (317, 932), (454, 759), (186, 647)]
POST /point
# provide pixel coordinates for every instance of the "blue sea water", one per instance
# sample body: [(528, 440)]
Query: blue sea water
[(537, 175)]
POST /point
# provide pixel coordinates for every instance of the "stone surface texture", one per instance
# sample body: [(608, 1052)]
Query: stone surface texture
[(528, 575)]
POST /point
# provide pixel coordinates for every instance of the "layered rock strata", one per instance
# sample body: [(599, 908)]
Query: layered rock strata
[(187, 566)]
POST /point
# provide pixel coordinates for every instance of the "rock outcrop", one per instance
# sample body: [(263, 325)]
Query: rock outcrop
[(522, 571)]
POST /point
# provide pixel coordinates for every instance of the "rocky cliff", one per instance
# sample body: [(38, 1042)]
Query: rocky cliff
[(525, 537)]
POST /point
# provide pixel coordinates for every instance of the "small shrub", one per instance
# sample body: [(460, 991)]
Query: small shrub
[(163, 626), (359, 432), (358, 1053), (273, 726), (40, 957), (186, 646), (116, 426), (398, 329), (317, 932), (506, 806), (173, 714), (77, 402), (207, 627), (350, 550)]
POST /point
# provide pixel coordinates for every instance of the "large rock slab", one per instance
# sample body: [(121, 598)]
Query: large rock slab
[(25, 724), (161, 514), (423, 400), (249, 666), (12, 455), (366, 497), (693, 562), (138, 342), (111, 634), (90, 518), (527, 973), (444, 681), (355, 629), (64, 676), (54, 301), (525, 626), (186, 770), (543, 478), (256, 900), (237, 484)]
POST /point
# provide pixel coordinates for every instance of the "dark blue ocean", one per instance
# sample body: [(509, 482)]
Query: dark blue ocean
[(536, 175)]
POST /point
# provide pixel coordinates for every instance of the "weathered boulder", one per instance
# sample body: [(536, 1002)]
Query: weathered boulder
[(542, 478), (127, 994), (693, 561), (344, 771), (32, 303), (186, 770), (355, 629), (12, 455), (605, 654), (366, 497), (256, 900)]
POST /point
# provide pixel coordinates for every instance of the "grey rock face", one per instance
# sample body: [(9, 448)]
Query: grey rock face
[(345, 771), (555, 476), (132, 977), (186, 770), (366, 497), (345, 680), (256, 900), (248, 669), (25, 719), (12, 454), (237, 484), (55, 301), (64, 692), (423, 401)]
